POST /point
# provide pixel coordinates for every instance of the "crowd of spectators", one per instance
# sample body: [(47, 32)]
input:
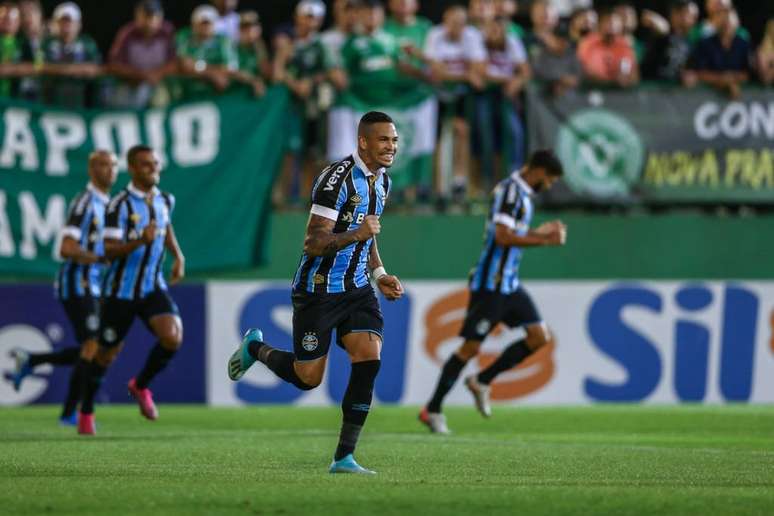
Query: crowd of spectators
[(477, 60)]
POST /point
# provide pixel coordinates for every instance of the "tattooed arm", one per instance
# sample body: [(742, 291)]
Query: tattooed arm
[(320, 239)]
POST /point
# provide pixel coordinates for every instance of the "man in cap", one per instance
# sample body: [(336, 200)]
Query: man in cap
[(142, 55), (204, 55), (252, 57), (302, 64), (71, 59)]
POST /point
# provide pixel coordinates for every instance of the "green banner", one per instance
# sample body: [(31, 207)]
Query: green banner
[(415, 114), (220, 157), (658, 143)]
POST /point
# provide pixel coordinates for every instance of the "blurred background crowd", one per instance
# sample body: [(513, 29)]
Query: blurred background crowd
[(477, 58)]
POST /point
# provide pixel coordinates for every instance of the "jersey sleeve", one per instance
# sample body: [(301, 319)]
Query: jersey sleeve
[(75, 217), (169, 199), (505, 205), (116, 218), (329, 194)]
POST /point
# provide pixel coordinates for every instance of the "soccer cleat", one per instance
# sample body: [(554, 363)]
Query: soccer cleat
[(86, 425), (241, 359), (436, 422), (71, 420), (144, 399), (480, 394), (21, 370), (347, 464)]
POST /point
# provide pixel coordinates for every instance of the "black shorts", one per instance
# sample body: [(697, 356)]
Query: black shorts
[(486, 309), (117, 315), (315, 316), (83, 313)]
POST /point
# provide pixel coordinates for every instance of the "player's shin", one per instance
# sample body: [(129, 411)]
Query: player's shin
[(67, 356), (279, 362), (75, 391), (510, 357), (157, 360), (449, 374), (92, 382), (356, 404)]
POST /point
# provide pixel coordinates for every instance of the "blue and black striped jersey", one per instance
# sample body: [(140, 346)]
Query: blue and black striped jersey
[(498, 266), (138, 274), (345, 192), (85, 224)]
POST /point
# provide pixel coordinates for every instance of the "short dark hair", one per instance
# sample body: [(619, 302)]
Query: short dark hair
[(371, 118), (134, 151), (368, 4), (547, 160), (150, 7), (606, 12), (679, 5)]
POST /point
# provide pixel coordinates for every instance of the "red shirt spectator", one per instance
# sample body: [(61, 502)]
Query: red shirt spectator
[(142, 54), (606, 55)]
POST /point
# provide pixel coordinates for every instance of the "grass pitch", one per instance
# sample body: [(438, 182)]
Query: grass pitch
[(272, 460)]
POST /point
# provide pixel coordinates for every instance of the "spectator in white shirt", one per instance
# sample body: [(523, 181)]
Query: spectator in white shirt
[(457, 59), (228, 23), (498, 138)]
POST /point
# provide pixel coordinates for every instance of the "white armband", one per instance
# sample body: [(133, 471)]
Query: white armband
[(378, 273)]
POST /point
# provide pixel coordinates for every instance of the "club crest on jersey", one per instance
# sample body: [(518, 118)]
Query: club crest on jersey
[(310, 341), (482, 328)]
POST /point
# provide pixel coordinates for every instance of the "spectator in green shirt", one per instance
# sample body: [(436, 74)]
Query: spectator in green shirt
[(343, 25), (33, 33), (207, 59), (71, 59), (507, 9), (252, 58), (300, 59), (303, 65), (404, 25), (10, 49), (370, 58)]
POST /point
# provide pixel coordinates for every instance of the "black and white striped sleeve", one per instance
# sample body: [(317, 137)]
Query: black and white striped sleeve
[(116, 217), (79, 208), (330, 191), (506, 199)]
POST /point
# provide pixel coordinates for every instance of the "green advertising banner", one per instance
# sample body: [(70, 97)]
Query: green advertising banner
[(658, 143), (219, 157)]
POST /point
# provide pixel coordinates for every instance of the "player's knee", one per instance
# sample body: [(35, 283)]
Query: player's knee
[(309, 382), (171, 338), (468, 350), (170, 341), (309, 378)]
